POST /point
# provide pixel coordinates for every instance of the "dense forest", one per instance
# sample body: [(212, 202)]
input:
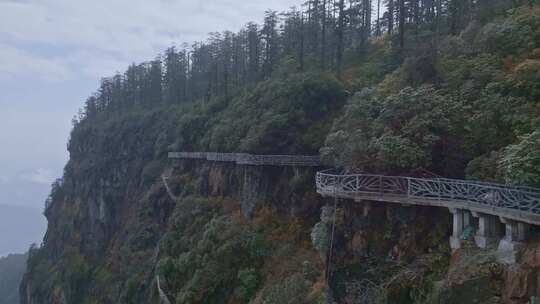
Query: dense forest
[(320, 37), (416, 87), (462, 58)]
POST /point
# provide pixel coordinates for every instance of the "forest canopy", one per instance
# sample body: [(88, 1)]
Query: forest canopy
[(448, 86)]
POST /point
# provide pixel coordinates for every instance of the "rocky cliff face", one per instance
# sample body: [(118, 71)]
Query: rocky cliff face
[(111, 211), (242, 234), (284, 188), (239, 234)]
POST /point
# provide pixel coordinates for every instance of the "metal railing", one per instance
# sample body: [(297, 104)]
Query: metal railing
[(485, 195), (251, 159)]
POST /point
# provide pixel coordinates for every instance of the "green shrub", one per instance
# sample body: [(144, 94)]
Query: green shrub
[(320, 234), (248, 284), (276, 116), (521, 162), (513, 35), (292, 290), (485, 168), (151, 171), (393, 134)]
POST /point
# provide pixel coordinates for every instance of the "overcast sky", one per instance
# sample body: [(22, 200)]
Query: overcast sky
[(53, 53)]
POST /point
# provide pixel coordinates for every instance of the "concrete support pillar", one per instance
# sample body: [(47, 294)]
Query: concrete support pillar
[(488, 231), (296, 171), (467, 218), (389, 212), (510, 230), (515, 231), (366, 209), (522, 231), (509, 246), (457, 228)]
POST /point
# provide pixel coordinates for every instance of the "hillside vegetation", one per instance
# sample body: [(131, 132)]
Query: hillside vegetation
[(451, 87)]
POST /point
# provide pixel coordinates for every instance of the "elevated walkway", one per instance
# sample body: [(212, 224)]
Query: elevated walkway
[(483, 205), (251, 159), (486, 206), (516, 203)]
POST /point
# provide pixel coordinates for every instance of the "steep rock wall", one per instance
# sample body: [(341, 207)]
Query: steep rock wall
[(111, 209)]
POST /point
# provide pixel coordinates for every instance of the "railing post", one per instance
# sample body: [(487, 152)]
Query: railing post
[(380, 185), (408, 187), (440, 189)]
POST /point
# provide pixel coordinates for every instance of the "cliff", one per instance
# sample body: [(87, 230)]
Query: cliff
[(113, 228), (229, 233)]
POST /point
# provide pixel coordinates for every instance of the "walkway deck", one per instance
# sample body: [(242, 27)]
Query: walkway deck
[(251, 159), (515, 203)]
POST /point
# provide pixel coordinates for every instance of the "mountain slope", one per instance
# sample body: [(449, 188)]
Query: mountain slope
[(458, 105), (111, 222)]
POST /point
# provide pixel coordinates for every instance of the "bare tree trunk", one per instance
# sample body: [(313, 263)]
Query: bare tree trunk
[(302, 42), (378, 17), (367, 24), (323, 37), (402, 24), (341, 24), (390, 16)]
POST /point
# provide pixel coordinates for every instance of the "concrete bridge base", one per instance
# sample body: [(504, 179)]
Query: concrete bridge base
[(508, 251), (512, 242), (488, 230), (366, 207), (460, 220)]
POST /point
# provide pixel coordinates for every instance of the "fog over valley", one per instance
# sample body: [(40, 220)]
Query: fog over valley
[(20, 226)]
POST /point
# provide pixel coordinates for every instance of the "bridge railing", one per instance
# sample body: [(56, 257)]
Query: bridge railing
[(523, 199), (251, 159)]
